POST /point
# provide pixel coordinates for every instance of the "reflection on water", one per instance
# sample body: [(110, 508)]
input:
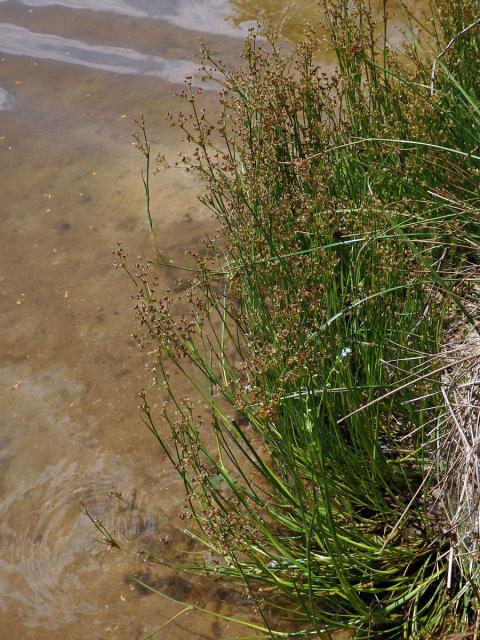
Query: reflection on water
[(114, 6), (207, 16), (6, 100), (15, 40)]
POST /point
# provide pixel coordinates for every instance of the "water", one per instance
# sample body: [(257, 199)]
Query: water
[(73, 76)]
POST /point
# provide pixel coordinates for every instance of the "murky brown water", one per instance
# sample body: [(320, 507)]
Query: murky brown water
[(73, 76)]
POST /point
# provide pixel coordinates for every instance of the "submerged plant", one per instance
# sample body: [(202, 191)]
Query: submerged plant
[(332, 334)]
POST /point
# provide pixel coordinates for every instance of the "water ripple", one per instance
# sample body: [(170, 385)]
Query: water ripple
[(48, 545)]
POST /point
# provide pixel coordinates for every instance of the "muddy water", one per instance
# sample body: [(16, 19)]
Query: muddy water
[(73, 76)]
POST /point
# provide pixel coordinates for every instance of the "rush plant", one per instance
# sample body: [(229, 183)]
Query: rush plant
[(332, 333)]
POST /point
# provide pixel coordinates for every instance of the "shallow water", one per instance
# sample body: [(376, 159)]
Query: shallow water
[(73, 76)]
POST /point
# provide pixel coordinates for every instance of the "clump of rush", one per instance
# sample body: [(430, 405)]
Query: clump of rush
[(331, 333)]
